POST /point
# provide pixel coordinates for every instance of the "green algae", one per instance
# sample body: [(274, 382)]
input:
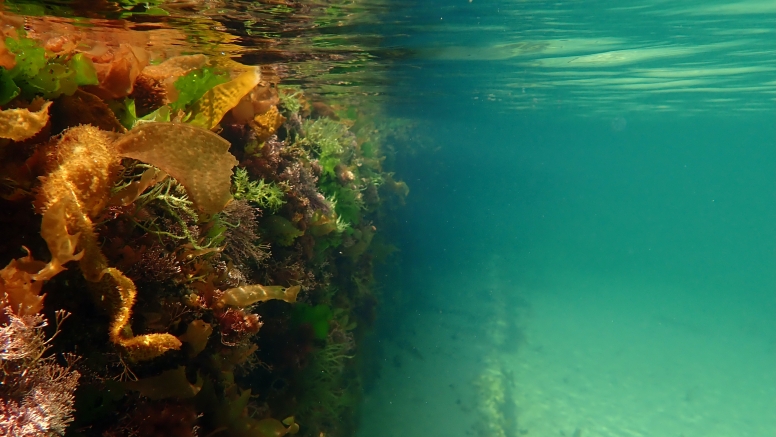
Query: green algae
[(316, 317), (281, 230), (194, 84), (267, 195), (329, 140), (40, 73)]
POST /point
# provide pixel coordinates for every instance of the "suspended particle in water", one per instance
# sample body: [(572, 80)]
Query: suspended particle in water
[(619, 123)]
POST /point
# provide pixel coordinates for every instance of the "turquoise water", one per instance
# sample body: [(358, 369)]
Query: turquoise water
[(587, 58), (588, 246)]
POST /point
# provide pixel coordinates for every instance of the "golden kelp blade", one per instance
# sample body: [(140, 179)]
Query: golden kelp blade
[(20, 124), (197, 334), (62, 245), (210, 108), (197, 158), (21, 281), (250, 294)]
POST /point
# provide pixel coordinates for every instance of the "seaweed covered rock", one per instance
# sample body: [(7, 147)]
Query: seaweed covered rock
[(213, 243)]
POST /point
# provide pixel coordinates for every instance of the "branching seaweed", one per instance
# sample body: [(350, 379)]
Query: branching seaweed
[(241, 241), (291, 98), (36, 394), (267, 195), (171, 198), (333, 392), (330, 141)]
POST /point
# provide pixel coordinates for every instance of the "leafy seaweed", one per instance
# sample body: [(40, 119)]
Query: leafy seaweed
[(124, 110), (195, 84), (126, 113), (85, 74), (8, 89), (38, 72), (29, 57), (280, 230)]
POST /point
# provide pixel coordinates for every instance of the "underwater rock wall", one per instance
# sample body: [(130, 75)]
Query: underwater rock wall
[(188, 244)]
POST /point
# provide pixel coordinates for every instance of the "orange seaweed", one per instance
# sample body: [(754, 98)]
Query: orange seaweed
[(80, 187), (23, 123), (22, 279), (195, 157)]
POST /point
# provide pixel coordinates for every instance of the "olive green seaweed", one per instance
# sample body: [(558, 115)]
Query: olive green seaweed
[(267, 195)]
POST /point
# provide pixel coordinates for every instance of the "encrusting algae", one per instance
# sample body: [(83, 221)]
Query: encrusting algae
[(185, 204)]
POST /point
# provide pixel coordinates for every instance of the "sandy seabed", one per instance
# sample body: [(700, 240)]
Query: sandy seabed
[(583, 360)]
